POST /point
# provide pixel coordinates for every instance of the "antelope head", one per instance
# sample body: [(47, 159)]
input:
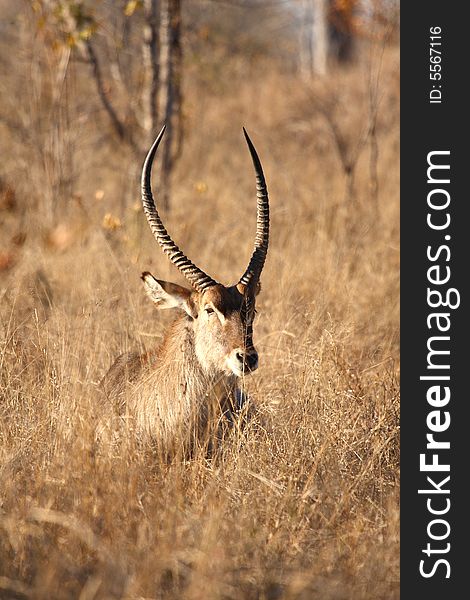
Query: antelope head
[(221, 317)]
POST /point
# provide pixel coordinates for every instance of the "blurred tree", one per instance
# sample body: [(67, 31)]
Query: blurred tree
[(319, 36), (342, 14), (170, 98), (154, 70), (152, 66), (327, 30), (332, 29)]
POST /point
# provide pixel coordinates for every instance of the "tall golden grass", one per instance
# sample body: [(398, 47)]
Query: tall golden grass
[(305, 508)]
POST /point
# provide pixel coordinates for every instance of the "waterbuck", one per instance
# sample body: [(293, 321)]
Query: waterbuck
[(186, 387)]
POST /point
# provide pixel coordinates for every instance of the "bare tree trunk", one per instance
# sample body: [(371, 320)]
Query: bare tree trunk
[(124, 133), (170, 97), (165, 101), (161, 92), (151, 53), (305, 39), (102, 93), (177, 74), (326, 29), (341, 33), (320, 37)]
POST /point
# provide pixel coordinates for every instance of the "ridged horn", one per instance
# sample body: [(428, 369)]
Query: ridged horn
[(258, 257), (197, 278)]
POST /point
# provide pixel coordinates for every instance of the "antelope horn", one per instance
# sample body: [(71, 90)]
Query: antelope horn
[(258, 257), (197, 278)]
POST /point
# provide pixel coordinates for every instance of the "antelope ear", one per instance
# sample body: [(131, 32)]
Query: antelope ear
[(169, 295), (242, 288)]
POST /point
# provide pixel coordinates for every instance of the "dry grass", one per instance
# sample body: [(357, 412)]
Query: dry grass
[(307, 508)]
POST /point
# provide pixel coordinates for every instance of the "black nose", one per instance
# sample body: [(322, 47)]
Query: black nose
[(249, 360), (252, 360)]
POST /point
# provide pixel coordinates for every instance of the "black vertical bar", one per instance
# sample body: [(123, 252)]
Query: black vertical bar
[(426, 127)]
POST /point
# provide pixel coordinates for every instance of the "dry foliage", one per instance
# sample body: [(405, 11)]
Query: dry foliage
[(304, 502)]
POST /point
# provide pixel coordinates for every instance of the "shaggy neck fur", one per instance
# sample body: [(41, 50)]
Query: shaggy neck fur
[(174, 396)]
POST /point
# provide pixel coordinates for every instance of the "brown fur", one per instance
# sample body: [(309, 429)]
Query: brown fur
[(180, 393)]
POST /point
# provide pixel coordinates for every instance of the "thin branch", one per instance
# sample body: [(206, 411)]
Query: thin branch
[(171, 100), (154, 51), (116, 122), (151, 52)]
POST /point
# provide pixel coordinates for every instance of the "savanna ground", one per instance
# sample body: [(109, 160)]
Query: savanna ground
[(306, 508)]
